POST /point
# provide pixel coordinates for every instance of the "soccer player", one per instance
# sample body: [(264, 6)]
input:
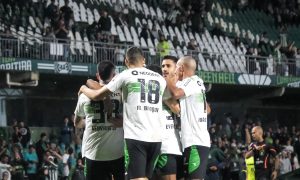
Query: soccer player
[(142, 98), (170, 161), (262, 153), (103, 142), (195, 138)]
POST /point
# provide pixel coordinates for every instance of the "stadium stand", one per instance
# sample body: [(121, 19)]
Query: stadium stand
[(230, 36), (223, 27)]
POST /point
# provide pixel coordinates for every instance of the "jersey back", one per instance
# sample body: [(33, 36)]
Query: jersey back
[(142, 98)]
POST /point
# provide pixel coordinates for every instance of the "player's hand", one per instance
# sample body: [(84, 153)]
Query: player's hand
[(81, 89), (259, 148), (213, 168), (274, 175)]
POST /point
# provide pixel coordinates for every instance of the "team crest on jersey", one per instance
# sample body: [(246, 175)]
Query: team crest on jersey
[(262, 152)]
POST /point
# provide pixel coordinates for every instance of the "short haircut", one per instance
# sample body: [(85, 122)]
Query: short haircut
[(70, 150), (155, 68), (43, 134), (105, 69), (173, 58), (134, 55)]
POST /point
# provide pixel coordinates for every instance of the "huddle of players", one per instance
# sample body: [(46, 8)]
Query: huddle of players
[(148, 105)]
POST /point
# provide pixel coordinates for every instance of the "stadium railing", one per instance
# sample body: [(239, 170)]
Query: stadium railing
[(94, 52)]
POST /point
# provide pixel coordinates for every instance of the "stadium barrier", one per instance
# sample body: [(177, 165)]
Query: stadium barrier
[(93, 52)]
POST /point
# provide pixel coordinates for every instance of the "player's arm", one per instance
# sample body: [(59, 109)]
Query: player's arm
[(208, 109), (176, 92), (173, 105), (250, 151), (79, 122), (247, 135), (276, 161), (95, 95), (93, 84)]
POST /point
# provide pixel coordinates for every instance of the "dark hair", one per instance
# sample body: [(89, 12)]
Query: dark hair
[(31, 146), (43, 134), (155, 68), (70, 150), (134, 55), (105, 69), (173, 58)]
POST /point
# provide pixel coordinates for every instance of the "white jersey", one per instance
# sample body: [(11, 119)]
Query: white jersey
[(193, 113), (101, 141), (171, 140), (142, 97)]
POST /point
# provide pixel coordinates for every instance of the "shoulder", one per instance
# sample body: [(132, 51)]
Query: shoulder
[(83, 98)]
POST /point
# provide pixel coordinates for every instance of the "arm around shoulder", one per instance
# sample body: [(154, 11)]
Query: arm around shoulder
[(95, 95)]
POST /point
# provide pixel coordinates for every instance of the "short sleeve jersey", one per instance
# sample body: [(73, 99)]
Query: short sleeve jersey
[(262, 157), (193, 113), (142, 103), (101, 141)]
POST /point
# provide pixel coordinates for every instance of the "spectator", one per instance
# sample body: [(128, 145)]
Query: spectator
[(4, 165), (49, 167), (16, 136), (175, 42), (18, 166), (61, 31), (295, 162), (3, 147), (285, 163), (79, 171), (104, 23), (217, 30), (193, 47), (145, 33), (215, 164), (66, 133), (52, 10), (289, 148), (66, 158), (268, 138), (25, 133), (251, 62), (49, 33), (5, 175), (32, 161), (154, 33), (163, 46), (41, 147), (67, 13)]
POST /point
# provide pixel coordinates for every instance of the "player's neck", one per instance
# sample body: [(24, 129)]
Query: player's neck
[(131, 66), (187, 75), (260, 140)]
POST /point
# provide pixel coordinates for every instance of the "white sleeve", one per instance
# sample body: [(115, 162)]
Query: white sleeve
[(187, 87), (191, 87), (79, 110), (117, 82), (65, 158)]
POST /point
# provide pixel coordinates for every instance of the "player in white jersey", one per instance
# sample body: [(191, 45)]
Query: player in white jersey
[(103, 142), (169, 165), (142, 98), (195, 138)]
